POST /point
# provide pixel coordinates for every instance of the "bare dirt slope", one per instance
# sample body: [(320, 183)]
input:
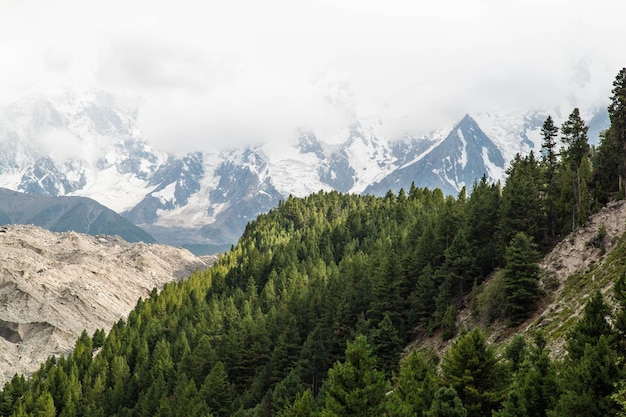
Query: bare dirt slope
[(576, 253), (55, 285)]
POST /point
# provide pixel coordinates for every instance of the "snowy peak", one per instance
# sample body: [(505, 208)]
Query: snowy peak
[(464, 156), (89, 144)]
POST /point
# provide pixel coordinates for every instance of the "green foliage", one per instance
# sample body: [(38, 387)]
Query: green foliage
[(591, 371), (522, 203), (415, 385), (355, 387), (448, 323), (533, 391), (446, 404), (470, 367), (521, 279)]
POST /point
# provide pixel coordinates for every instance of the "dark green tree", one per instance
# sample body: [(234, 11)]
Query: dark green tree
[(521, 278), (522, 203), (355, 387), (285, 393), (446, 404), (574, 136), (590, 370), (576, 172), (483, 210), (534, 390), (415, 385), (217, 391), (386, 345), (549, 132), (617, 116), (470, 367), (593, 324)]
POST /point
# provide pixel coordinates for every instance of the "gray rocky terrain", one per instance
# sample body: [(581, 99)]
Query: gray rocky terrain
[(55, 285)]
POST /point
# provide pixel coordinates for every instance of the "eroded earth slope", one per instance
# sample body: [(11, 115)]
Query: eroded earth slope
[(55, 285)]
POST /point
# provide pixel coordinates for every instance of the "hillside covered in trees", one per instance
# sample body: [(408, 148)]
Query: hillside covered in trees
[(309, 313)]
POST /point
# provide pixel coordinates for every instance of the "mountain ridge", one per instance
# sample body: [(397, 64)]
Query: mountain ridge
[(90, 144), (67, 213)]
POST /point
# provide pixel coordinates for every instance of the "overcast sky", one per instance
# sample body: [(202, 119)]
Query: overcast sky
[(223, 72)]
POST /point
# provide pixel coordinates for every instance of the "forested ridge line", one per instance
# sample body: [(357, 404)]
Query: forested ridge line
[(309, 313)]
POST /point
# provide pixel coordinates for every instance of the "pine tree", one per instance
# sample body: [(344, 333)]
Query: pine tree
[(470, 367), (590, 372), (522, 205), (446, 404), (617, 116), (590, 327), (285, 393), (386, 345), (301, 407), (549, 133), (574, 135), (483, 210), (217, 391), (355, 387), (533, 391), (415, 385), (576, 160), (521, 279)]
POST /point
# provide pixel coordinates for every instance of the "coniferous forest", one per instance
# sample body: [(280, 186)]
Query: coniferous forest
[(310, 313)]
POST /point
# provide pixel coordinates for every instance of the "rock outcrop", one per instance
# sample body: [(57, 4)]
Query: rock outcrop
[(55, 285)]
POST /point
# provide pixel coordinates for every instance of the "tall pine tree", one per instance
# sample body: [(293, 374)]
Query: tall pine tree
[(521, 278)]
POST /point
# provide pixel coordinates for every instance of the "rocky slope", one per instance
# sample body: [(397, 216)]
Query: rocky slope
[(55, 285), (585, 260)]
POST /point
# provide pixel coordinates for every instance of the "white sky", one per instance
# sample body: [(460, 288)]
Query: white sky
[(224, 72)]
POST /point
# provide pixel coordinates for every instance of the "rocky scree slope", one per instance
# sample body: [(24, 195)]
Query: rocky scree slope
[(55, 285), (580, 263)]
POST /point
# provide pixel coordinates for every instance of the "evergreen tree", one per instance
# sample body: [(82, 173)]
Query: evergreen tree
[(589, 384), (217, 391), (521, 279), (483, 211), (574, 135), (386, 345), (590, 327), (446, 404), (549, 133), (415, 385), (302, 406), (533, 391), (576, 172), (44, 406), (355, 387), (472, 369), (590, 372), (522, 205), (617, 116), (285, 393)]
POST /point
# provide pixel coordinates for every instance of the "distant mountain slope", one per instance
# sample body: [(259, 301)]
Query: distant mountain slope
[(62, 214)]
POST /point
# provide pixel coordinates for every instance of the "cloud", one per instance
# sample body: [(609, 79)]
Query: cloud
[(59, 143), (228, 73)]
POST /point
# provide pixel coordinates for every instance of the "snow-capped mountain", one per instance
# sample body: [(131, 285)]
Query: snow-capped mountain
[(464, 156), (89, 144)]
